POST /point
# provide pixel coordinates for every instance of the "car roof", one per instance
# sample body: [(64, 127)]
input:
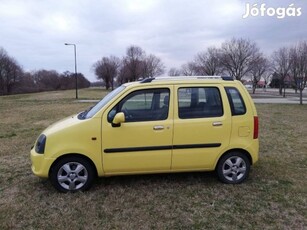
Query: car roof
[(182, 80)]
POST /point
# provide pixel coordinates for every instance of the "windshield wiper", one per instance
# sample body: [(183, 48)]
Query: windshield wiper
[(83, 114)]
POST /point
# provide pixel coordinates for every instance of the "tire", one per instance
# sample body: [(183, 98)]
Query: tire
[(233, 168), (72, 174)]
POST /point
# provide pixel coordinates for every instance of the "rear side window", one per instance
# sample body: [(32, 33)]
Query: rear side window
[(199, 102), (236, 101)]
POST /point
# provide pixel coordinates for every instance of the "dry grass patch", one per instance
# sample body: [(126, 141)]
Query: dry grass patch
[(274, 197)]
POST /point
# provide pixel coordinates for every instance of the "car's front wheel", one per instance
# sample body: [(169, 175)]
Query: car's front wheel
[(233, 168), (71, 174)]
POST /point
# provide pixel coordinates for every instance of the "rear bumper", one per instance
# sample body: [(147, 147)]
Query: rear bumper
[(253, 150)]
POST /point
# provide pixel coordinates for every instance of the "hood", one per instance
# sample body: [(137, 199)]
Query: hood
[(62, 124)]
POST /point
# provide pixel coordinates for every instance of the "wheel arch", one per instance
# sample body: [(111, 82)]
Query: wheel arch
[(243, 151), (74, 155)]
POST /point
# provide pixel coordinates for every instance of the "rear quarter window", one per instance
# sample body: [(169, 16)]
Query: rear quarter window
[(236, 101)]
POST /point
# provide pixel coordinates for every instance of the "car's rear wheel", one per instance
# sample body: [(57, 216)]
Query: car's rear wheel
[(72, 174), (233, 168)]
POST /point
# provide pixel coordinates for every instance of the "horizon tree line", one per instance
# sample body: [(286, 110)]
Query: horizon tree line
[(14, 80), (239, 58)]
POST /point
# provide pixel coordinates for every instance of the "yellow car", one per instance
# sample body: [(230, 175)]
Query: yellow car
[(157, 125)]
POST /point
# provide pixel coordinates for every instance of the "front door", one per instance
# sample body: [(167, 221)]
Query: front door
[(143, 143)]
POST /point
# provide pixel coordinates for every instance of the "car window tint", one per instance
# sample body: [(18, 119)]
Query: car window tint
[(236, 102), (199, 102)]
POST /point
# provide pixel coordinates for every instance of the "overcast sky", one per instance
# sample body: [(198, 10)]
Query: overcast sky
[(34, 31)]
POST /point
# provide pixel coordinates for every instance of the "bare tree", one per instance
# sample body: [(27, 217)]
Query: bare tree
[(67, 80), (107, 70), (14, 80), (10, 72), (281, 64), (152, 66), (188, 69), (133, 63), (46, 80), (294, 64), (25, 84), (208, 62), (298, 67), (259, 66), (122, 73), (174, 72), (237, 56)]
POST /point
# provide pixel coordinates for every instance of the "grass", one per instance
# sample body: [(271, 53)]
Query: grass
[(274, 197)]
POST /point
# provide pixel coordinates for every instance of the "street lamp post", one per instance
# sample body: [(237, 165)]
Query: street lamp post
[(76, 76)]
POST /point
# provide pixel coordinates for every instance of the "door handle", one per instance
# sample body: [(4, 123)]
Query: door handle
[(158, 127), (217, 123)]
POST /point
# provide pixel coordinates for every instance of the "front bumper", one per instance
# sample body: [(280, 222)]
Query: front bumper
[(40, 165)]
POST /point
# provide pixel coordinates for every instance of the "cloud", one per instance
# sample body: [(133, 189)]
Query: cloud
[(34, 32)]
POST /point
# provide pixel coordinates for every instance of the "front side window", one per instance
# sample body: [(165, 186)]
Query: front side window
[(143, 105), (199, 102), (236, 101)]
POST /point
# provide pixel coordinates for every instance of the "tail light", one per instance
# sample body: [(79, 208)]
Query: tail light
[(256, 127)]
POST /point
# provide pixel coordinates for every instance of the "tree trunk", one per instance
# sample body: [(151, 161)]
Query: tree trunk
[(301, 96), (280, 89)]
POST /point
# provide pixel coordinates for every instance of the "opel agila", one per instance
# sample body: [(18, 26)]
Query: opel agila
[(157, 125)]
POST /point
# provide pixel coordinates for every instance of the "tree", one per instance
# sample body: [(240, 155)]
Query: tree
[(237, 55), (259, 66), (152, 66), (107, 70), (208, 62), (25, 84), (298, 67), (133, 63), (174, 72), (137, 65), (275, 81), (82, 81), (46, 80), (10, 72), (14, 80), (281, 64), (122, 74), (68, 81), (188, 69)]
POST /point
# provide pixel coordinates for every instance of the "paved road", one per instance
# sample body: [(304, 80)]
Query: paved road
[(287, 100), (271, 96)]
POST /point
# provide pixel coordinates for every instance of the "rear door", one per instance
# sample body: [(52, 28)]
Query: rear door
[(202, 126)]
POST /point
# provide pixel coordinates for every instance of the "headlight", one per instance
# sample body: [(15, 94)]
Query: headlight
[(40, 144)]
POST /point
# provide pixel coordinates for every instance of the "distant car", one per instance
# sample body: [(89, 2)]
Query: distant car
[(248, 86), (158, 125)]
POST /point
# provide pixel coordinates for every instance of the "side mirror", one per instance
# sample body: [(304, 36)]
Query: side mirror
[(118, 119)]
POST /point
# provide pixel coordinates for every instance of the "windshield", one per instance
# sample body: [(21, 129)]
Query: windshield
[(103, 102)]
